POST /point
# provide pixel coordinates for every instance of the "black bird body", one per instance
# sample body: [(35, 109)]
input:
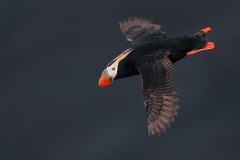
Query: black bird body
[(152, 55), (153, 48)]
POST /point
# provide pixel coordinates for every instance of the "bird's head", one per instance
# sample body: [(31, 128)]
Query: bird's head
[(110, 73), (108, 76)]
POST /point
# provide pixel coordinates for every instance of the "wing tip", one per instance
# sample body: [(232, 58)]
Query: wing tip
[(126, 25)]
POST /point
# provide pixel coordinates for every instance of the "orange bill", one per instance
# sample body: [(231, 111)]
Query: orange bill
[(103, 81)]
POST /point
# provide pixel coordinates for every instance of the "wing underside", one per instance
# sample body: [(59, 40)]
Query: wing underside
[(159, 98)]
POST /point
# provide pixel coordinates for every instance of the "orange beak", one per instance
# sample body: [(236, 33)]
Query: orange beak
[(104, 82)]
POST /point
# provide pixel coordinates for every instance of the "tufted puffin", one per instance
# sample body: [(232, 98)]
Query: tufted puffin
[(152, 55)]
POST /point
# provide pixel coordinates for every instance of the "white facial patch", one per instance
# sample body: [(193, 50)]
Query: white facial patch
[(112, 67), (112, 70)]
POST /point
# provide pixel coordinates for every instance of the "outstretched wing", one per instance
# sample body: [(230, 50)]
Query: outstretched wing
[(159, 98), (132, 29)]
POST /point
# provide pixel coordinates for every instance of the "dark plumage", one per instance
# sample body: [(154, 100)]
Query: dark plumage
[(152, 55)]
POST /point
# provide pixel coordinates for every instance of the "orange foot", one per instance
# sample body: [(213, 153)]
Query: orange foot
[(209, 45), (205, 30)]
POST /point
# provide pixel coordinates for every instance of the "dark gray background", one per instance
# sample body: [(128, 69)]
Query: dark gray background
[(53, 52)]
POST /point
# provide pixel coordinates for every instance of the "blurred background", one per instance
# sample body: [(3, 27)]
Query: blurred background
[(52, 54)]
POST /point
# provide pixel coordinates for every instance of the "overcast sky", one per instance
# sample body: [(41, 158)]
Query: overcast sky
[(52, 54)]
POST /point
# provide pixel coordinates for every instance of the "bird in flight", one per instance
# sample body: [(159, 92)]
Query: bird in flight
[(152, 55)]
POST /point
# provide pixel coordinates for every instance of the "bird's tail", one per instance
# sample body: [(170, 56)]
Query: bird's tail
[(204, 43)]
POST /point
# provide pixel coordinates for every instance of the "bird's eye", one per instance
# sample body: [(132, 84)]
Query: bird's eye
[(113, 69)]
